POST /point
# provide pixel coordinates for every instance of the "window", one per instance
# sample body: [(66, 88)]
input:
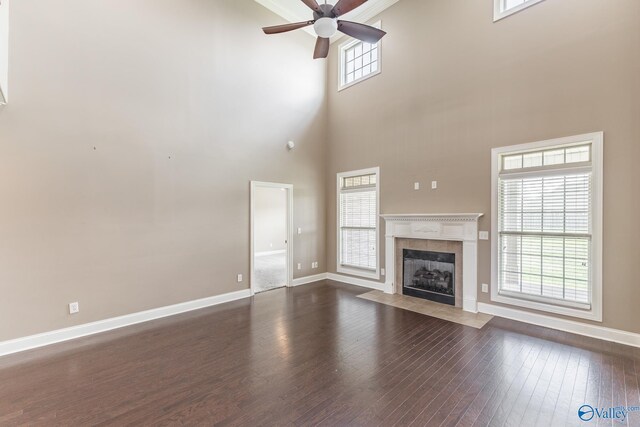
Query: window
[(504, 8), (358, 61), (358, 206), (547, 222)]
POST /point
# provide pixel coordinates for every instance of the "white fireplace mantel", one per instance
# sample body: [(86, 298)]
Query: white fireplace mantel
[(453, 227)]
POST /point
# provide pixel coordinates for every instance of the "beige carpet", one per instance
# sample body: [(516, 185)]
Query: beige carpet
[(429, 308)]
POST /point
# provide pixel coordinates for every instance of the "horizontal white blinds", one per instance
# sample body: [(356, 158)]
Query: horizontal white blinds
[(358, 222), (545, 229), (546, 204)]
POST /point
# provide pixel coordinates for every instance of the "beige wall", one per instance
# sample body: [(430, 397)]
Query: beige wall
[(126, 153), (269, 219), (454, 84), (134, 129)]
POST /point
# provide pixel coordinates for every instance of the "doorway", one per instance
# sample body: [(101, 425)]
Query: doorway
[(271, 232)]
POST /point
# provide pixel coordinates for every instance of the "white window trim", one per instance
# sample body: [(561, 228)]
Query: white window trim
[(351, 270), (341, 63), (499, 13), (533, 303)]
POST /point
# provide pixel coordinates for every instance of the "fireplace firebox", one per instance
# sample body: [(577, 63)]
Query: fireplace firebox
[(429, 275)]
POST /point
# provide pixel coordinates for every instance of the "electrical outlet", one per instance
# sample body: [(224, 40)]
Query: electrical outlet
[(484, 235), (314, 264), (416, 185), (434, 185), (383, 271), (485, 288), (299, 230), (299, 266), (74, 308), (239, 278)]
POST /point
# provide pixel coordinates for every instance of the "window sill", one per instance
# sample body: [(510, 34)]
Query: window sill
[(365, 274), (499, 14), (360, 80), (592, 313)]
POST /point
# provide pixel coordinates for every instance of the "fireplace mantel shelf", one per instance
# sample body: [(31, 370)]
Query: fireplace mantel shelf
[(433, 217)]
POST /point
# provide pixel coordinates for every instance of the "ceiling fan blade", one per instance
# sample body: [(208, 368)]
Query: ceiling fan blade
[(322, 48), (277, 29), (346, 6), (362, 32), (313, 5)]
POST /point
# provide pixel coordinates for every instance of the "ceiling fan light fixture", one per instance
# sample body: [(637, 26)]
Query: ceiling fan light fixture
[(325, 27)]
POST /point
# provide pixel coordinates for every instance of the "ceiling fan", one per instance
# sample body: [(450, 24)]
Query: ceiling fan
[(325, 23)]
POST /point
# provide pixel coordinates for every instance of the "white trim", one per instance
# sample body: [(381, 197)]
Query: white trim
[(499, 13), (267, 253), (4, 52), (61, 335), (449, 217), (596, 140), (288, 250), (370, 284), (348, 270), (309, 279), (341, 63), (571, 326)]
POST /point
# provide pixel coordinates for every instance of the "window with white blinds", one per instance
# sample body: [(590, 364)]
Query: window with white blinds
[(545, 222), (358, 222)]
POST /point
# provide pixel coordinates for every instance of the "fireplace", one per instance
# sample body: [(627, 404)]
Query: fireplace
[(429, 275), (445, 233)]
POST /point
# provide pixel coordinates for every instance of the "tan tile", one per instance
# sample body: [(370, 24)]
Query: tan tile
[(429, 308)]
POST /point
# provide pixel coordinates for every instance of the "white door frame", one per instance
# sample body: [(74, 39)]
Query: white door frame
[(289, 189)]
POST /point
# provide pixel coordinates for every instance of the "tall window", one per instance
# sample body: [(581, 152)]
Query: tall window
[(358, 223), (548, 223), (504, 8), (358, 61)]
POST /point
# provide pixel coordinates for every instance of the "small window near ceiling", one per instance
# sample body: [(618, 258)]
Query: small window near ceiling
[(358, 61), (358, 201), (504, 8)]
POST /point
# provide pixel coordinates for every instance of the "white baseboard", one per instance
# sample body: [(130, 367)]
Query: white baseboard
[(61, 335), (593, 331), (309, 279), (356, 281)]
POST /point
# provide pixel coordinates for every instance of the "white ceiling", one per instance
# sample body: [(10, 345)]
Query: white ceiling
[(296, 11)]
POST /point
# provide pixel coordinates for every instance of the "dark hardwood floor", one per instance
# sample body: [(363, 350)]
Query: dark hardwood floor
[(313, 355)]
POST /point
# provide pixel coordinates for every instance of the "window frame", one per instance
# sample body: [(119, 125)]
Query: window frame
[(354, 271), (500, 13), (344, 46), (566, 308)]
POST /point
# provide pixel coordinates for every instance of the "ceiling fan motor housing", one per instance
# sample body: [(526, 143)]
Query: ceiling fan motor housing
[(326, 24), (325, 12)]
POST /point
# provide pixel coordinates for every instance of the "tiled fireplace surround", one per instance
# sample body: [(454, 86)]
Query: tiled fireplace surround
[(450, 233)]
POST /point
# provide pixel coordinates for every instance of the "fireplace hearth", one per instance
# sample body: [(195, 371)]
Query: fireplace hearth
[(429, 275)]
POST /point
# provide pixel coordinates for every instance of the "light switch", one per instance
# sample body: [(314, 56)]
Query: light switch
[(485, 288), (484, 235), (299, 230), (434, 185), (416, 185)]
